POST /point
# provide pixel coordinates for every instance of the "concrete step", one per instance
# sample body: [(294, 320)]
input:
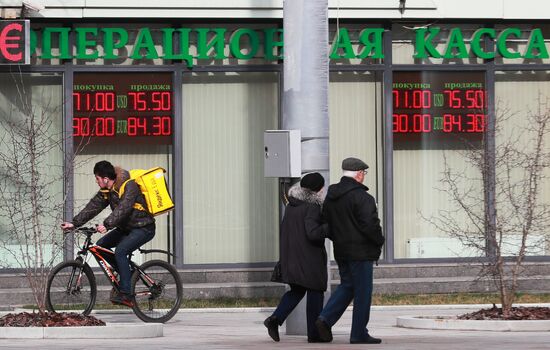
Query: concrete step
[(245, 275), (419, 285)]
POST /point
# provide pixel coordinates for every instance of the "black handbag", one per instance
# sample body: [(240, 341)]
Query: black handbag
[(277, 274)]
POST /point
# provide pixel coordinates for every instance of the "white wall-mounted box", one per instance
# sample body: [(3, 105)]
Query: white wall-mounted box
[(282, 153)]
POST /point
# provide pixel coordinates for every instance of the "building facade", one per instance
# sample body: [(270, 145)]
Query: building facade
[(413, 86)]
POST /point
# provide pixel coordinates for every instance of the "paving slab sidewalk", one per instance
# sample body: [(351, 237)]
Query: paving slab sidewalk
[(243, 329)]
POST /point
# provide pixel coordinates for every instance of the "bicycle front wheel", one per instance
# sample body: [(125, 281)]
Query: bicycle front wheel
[(71, 287), (158, 291)]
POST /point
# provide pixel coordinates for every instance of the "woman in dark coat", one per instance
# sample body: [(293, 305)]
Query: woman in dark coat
[(303, 256)]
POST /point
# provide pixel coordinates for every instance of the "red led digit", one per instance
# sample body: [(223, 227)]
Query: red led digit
[(395, 94), (447, 123), (156, 98), (427, 122), (417, 123), (480, 98), (109, 126), (417, 99), (88, 108), (76, 101), (99, 100), (426, 98), (470, 97), (132, 128), (109, 101), (166, 101), (76, 126), (166, 126), (480, 122), (157, 126), (84, 126), (402, 123), (99, 127)]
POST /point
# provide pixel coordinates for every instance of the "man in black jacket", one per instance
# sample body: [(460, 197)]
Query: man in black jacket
[(131, 226), (354, 228)]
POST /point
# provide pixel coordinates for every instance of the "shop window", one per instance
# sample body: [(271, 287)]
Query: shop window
[(31, 169), (520, 95), (438, 117), (127, 119), (230, 211)]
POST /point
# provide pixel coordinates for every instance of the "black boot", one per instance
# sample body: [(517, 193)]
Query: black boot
[(272, 325), (325, 333)]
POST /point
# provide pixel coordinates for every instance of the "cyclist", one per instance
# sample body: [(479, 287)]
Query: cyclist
[(130, 228)]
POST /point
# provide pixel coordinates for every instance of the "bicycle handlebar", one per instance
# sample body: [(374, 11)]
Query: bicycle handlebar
[(82, 229)]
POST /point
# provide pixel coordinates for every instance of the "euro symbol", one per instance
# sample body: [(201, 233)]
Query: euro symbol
[(5, 45)]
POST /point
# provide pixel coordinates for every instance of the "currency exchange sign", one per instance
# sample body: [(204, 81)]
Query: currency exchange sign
[(14, 42)]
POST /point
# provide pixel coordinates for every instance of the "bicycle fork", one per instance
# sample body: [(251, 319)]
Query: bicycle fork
[(74, 288)]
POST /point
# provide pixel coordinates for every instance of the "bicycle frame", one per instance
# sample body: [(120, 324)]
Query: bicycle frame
[(107, 268), (102, 255)]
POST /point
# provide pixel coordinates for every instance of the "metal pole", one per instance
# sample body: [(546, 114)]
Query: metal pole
[(305, 96)]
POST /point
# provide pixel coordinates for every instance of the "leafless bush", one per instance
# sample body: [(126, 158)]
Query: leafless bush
[(32, 190), (500, 210)]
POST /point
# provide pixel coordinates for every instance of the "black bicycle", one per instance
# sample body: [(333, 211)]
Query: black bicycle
[(156, 284)]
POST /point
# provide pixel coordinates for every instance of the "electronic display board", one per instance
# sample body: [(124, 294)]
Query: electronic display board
[(438, 110), (122, 108)]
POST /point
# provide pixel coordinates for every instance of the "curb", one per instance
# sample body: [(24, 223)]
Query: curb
[(451, 323), (111, 330)]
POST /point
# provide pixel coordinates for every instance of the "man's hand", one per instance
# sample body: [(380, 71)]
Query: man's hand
[(101, 229), (67, 226)]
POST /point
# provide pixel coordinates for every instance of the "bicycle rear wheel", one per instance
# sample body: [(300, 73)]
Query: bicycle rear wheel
[(158, 291), (71, 287)]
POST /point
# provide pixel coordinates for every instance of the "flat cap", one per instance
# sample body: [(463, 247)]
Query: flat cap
[(354, 164)]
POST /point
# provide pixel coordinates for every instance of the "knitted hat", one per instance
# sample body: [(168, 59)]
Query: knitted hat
[(313, 181), (354, 164)]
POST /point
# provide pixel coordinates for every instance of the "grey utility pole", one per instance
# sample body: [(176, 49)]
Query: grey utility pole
[(305, 97)]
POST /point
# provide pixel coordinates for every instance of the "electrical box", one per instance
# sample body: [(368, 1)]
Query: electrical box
[(282, 153)]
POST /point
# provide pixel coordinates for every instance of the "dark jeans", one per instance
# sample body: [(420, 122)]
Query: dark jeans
[(126, 242), (313, 307), (356, 285)]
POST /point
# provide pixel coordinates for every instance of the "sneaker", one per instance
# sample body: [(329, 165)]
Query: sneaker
[(325, 333), (272, 325), (123, 299)]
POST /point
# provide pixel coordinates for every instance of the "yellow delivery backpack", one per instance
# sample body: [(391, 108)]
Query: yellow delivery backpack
[(154, 188)]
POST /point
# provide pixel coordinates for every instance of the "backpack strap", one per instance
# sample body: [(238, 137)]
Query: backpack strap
[(121, 192), (104, 194)]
